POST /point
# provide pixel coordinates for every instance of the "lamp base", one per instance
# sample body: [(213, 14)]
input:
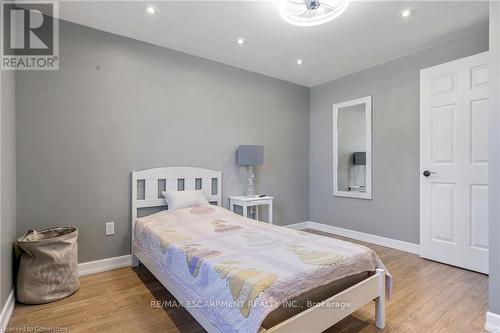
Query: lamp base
[(251, 181)]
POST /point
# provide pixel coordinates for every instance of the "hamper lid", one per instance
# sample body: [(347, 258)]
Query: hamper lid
[(46, 234)]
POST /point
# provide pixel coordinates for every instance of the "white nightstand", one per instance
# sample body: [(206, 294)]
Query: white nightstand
[(252, 201)]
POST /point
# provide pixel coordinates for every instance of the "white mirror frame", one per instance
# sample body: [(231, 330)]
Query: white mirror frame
[(368, 123)]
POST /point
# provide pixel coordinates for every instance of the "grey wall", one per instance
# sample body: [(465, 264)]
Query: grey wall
[(494, 152), (394, 86), (118, 105), (7, 182)]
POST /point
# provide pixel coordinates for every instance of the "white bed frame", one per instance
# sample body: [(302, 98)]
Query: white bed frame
[(315, 319)]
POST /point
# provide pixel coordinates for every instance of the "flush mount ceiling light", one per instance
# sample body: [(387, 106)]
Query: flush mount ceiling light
[(241, 41), (307, 13), (299, 61), (150, 10)]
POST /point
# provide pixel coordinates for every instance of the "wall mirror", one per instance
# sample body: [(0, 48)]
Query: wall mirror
[(352, 148)]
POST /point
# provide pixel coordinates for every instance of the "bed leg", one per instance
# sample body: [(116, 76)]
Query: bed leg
[(380, 301), (135, 261)]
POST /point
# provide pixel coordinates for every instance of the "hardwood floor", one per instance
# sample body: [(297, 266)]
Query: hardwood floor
[(428, 297)]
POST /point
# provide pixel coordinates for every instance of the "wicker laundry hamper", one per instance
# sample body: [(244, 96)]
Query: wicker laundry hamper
[(48, 268)]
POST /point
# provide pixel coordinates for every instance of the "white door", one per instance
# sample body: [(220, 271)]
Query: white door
[(454, 163)]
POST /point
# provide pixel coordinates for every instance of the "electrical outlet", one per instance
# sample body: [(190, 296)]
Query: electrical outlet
[(110, 228)]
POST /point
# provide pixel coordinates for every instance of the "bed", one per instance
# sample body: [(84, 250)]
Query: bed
[(234, 274)]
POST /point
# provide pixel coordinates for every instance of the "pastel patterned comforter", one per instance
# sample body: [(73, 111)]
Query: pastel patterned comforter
[(238, 270)]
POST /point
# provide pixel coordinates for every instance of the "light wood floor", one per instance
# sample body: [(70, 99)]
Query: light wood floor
[(428, 297)]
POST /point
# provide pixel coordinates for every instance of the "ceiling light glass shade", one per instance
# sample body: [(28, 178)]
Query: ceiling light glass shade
[(307, 13)]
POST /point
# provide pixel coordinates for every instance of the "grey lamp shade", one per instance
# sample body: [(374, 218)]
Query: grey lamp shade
[(359, 158), (250, 155)]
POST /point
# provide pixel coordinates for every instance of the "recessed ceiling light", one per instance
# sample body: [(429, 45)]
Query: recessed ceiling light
[(407, 12), (150, 10), (241, 41), (299, 61)]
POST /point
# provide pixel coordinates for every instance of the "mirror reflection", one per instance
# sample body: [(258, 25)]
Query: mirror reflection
[(352, 147)]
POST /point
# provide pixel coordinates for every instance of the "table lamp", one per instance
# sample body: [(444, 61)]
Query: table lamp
[(250, 156)]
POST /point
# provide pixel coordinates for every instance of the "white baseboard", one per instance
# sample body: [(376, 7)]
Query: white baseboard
[(361, 236), (300, 225), (7, 311), (492, 322), (103, 265)]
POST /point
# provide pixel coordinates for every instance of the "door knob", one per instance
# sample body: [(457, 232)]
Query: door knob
[(427, 173)]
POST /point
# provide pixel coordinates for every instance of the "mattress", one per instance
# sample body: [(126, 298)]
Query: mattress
[(240, 273)]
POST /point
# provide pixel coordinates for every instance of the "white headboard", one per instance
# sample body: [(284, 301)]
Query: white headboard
[(148, 184)]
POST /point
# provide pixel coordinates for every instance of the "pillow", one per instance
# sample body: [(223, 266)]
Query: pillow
[(185, 199)]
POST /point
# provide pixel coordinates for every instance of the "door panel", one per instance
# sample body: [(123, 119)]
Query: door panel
[(454, 149), (444, 84), (443, 208), (479, 137), (479, 76), (443, 134), (479, 217)]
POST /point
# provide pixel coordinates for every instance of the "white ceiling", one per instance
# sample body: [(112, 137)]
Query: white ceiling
[(367, 34)]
